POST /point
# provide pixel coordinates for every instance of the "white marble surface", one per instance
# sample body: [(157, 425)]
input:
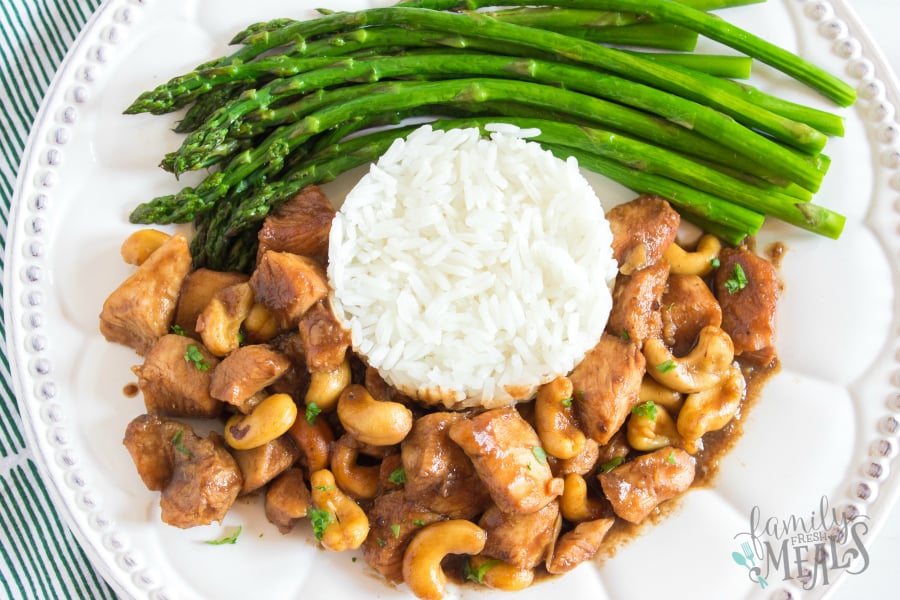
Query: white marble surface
[(879, 580)]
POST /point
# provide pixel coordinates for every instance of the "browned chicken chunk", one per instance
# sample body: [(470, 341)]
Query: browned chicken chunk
[(287, 500), (142, 308), (288, 285), (175, 378), (246, 371), (439, 475), (688, 306), (507, 455), (607, 385), (197, 290), (635, 311), (393, 521), (522, 540), (637, 487), (642, 229), (325, 341), (198, 478), (748, 303), (300, 226), (264, 463), (578, 545)]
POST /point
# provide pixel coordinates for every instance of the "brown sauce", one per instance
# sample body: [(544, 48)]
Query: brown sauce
[(131, 390)]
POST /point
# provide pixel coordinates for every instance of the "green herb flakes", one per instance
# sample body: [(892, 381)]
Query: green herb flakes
[(671, 458), (231, 539), (612, 464), (320, 520), (312, 411), (540, 454), (397, 476), (477, 575), (737, 281), (194, 355), (646, 410), (176, 441), (395, 529)]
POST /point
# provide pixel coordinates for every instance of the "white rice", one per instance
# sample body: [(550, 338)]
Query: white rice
[(469, 270)]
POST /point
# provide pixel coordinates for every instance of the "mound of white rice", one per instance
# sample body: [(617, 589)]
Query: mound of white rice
[(469, 270)]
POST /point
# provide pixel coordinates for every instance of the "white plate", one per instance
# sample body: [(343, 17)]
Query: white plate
[(825, 427)]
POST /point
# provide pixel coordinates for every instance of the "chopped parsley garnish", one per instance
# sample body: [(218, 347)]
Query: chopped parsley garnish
[(397, 476), (567, 402), (540, 454), (477, 575), (647, 410), (176, 441), (667, 366), (231, 539), (625, 335), (381, 542), (671, 458), (395, 529), (193, 355), (324, 488), (312, 411), (178, 330), (715, 262), (320, 520), (737, 281), (419, 523), (612, 464)]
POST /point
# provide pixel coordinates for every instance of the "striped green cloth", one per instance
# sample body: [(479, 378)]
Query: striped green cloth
[(39, 557)]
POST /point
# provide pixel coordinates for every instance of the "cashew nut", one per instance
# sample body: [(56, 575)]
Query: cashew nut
[(268, 420), (575, 505), (325, 387), (314, 441), (699, 370), (646, 433), (260, 324), (660, 395), (371, 421), (350, 525), (711, 409), (219, 324), (138, 246), (554, 419), (499, 575), (422, 570), (699, 262), (359, 482)]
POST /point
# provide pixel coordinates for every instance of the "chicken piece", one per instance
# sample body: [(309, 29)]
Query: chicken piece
[(141, 309), (642, 229), (508, 457), (578, 545), (607, 384), (175, 378), (287, 500), (635, 313), (325, 341), (294, 381), (264, 463), (522, 540), (748, 314), (198, 477), (615, 450), (637, 487), (246, 371), (198, 289), (688, 306), (393, 521), (300, 226), (439, 475), (288, 285)]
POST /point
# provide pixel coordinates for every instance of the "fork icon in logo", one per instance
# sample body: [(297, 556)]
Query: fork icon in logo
[(753, 572)]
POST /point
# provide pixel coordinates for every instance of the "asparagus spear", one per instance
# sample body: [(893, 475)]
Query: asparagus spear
[(712, 27), (722, 97)]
